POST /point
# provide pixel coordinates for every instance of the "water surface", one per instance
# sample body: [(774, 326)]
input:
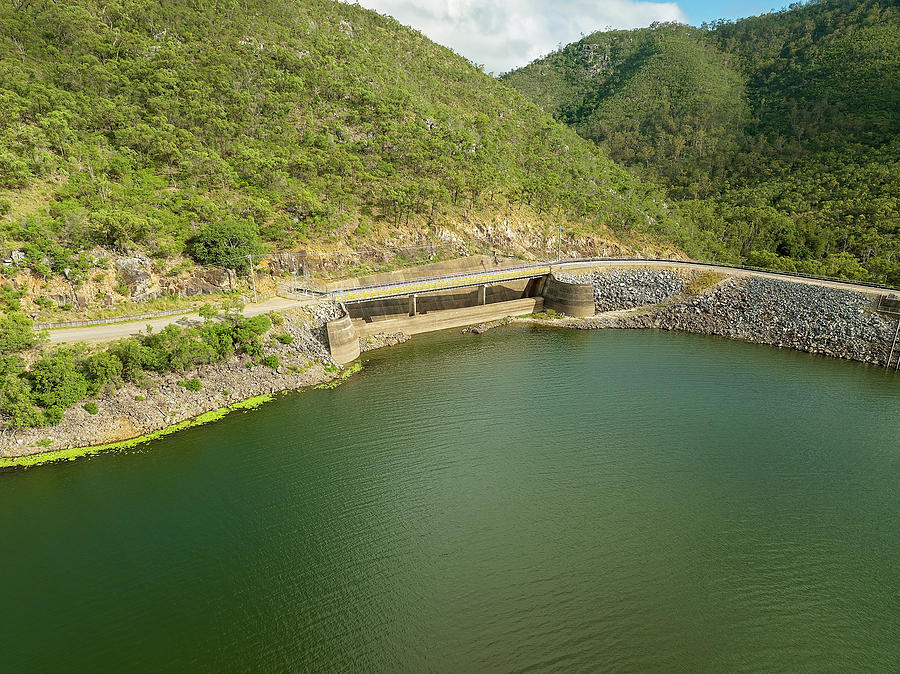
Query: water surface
[(526, 500)]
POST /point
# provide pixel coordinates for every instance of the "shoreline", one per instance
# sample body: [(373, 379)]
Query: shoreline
[(73, 453), (827, 321), (210, 416)]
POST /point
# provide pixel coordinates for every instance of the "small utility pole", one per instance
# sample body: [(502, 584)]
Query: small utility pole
[(559, 244), (253, 279)]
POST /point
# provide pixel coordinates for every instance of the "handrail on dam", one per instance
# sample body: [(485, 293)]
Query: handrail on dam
[(722, 265), (464, 280)]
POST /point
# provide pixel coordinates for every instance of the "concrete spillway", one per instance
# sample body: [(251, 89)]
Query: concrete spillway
[(496, 295)]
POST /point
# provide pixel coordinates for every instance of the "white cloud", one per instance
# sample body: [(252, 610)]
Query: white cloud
[(507, 34)]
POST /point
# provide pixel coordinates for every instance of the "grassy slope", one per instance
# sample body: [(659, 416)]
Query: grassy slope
[(132, 124), (778, 133)]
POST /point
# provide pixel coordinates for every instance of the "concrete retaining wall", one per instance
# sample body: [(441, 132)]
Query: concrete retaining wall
[(462, 298), (343, 342), (453, 318), (572, 299)]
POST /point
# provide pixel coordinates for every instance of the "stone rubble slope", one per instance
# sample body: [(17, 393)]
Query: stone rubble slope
[(617, 289), (806, 317)]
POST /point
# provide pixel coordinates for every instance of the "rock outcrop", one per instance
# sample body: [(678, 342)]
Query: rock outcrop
[(136, 274)]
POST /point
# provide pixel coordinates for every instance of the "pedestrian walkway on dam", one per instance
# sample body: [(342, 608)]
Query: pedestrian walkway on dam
[(450, 282)]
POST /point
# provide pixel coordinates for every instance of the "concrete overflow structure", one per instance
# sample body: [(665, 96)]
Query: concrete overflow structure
[(343, 341), (467, 298)]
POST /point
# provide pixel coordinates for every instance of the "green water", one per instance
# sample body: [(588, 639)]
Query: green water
[(526, 500)]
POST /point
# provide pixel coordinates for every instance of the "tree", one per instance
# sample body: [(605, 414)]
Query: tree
[(226, 243), (17, 405), (56, 384)]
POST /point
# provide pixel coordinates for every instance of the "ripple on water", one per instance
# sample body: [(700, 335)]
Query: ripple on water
[(529, 500)]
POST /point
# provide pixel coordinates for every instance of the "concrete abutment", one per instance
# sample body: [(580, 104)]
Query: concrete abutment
[(572, 299)]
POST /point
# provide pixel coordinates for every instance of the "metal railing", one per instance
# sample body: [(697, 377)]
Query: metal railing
[(469, 279), (463, 280), (791, 274)]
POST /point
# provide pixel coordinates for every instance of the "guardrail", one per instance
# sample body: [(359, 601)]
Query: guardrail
[(114, 319), (464, 280), (793, 274)]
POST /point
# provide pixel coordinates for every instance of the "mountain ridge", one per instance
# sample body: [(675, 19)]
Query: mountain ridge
[(776, 135)]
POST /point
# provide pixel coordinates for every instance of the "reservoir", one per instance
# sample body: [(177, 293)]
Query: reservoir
[(531, 499)]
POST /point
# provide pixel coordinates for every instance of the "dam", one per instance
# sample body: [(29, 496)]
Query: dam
[(832, 317), (418, 300)]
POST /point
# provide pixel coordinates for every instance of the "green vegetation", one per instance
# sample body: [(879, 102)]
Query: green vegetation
[(57, 380), (702, 281), (215, 129), (91, 407), (777, 135), (348, 372), (77, 452), (228, 243), (191, 384), (545, 315)]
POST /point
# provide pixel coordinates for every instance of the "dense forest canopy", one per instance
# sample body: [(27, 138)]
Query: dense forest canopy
[(777, 134), (140, 123)]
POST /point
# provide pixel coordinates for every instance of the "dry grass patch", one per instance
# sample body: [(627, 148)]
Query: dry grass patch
[(702, 282)]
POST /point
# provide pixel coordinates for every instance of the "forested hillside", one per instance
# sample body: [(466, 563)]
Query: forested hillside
[(777, 135), (207, 127)]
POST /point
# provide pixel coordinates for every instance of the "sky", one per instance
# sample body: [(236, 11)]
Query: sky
[(506, 34)]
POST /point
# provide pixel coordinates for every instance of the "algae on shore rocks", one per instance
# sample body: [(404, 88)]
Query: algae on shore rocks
[(77, 452)]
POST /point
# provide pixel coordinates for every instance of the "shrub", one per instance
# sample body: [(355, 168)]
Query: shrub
[(207, 311), (133, 358), (271, 361), (285, 338), (15, 333), (276, 318), (101, 369), (703, 281), (193, 384), (91, 407), (17, 404), (5, 207)]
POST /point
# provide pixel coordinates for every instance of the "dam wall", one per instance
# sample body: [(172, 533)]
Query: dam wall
[(452, 318), (790, 314), (396, 307), (345, 333)]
